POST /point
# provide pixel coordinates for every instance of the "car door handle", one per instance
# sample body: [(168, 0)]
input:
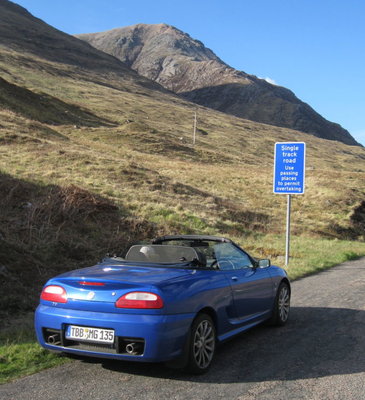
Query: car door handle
[(234, 278)]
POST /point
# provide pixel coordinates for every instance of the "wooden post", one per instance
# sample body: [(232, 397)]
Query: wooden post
[(194, 130)]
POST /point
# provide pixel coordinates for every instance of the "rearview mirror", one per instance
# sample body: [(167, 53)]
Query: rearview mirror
[(264, 263)]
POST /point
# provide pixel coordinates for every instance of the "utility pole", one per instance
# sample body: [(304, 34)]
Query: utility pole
[(194, 129)]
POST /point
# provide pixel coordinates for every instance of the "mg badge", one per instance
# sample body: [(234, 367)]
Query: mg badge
[(90, 295)]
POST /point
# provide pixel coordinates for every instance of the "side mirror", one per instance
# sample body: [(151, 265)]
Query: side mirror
[(265, 263)]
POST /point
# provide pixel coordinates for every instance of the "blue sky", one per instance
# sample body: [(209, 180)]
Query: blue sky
[(313, 47)]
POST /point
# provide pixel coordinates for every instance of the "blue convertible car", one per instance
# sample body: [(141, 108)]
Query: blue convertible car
[(173, 299)]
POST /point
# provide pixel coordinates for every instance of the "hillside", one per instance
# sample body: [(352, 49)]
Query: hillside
[(185, 66), (93, 158)]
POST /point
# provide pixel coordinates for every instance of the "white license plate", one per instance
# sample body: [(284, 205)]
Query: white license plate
[(90, 334)]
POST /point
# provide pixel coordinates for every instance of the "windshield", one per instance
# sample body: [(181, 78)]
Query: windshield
[(193, 252), (220, 255)]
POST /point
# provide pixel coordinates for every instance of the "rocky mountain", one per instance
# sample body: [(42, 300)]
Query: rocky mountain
[(184, 65)]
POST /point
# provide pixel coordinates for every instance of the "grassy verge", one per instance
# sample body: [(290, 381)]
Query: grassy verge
[(308, 255), (20, 354), (312, 256)]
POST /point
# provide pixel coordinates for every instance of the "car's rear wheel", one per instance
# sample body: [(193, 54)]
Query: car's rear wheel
[(282, 305), (202, 344)]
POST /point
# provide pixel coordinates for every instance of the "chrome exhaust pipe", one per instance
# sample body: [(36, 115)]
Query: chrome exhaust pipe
[(54, 339), (133, 348)]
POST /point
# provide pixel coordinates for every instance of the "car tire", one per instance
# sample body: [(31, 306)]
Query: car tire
[(281, 309), (202, 344)]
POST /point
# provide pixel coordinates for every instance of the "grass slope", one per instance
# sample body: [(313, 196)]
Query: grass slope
[(144, 165), (145, 169), (44, 108)]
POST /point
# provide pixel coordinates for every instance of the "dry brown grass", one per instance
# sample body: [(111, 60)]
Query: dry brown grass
[(48, 228), (95, 188)]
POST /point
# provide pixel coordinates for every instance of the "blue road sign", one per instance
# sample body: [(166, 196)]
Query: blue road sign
[(289, 168)]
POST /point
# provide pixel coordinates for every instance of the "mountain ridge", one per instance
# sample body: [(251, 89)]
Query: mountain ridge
[(185, 66)]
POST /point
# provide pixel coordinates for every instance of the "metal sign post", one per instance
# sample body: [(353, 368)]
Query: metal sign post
[(289, 177), (287, 243)]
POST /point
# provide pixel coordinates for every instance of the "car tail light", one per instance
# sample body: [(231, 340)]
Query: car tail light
[(139, 300), (54, 293)]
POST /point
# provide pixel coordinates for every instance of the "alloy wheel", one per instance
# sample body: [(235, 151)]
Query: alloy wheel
[(204, 344)]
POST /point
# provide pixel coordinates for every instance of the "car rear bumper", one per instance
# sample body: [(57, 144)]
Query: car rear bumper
[(163, 336)]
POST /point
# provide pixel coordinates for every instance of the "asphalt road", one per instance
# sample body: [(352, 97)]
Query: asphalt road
[(319, 354)]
